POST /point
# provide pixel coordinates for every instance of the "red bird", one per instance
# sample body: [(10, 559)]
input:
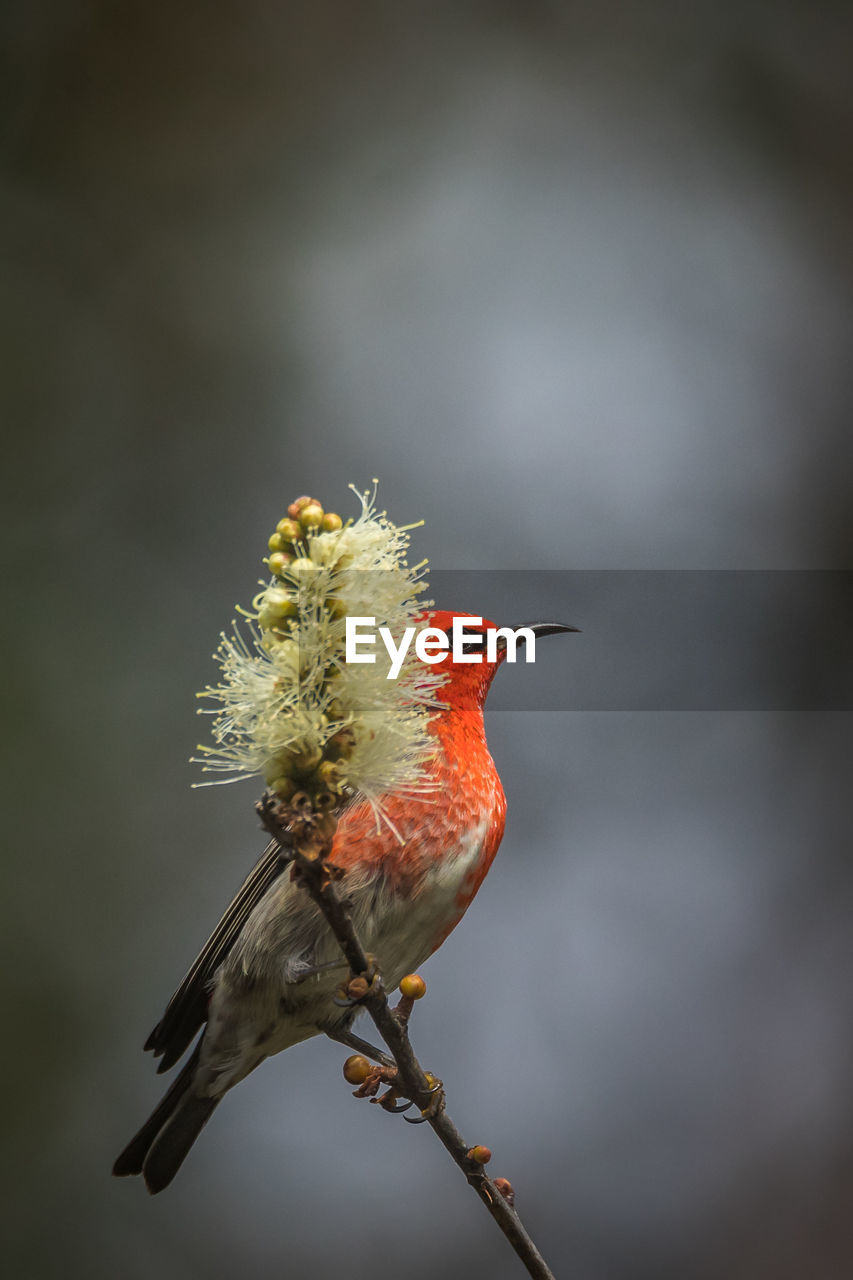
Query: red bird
[(267, 977)]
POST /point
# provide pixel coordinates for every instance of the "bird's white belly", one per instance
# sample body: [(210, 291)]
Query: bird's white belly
[(248, 1020), (402, 931)]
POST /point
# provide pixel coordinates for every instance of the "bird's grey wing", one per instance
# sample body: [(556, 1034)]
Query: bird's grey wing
[(187, 1009)]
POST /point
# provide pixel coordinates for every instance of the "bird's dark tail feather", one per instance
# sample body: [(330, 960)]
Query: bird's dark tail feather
[(160, 1147)]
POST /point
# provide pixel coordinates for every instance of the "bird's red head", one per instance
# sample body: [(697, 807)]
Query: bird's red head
[(470, 661), (467, 683)]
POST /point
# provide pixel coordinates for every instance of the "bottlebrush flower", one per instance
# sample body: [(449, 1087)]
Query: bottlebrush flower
[(289, 708)]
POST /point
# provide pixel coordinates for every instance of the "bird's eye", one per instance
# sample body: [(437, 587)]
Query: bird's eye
[(472, 644)]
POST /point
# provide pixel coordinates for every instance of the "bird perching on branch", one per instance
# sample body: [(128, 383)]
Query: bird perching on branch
[(389, 756)]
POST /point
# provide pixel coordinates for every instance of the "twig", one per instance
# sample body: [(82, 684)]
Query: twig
[(306, 840)]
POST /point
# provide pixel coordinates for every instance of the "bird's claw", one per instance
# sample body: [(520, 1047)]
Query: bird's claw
[(359, 986), (421, 1119), (374, 1078), (388, 1102), (393, 1101), (435, 1105)]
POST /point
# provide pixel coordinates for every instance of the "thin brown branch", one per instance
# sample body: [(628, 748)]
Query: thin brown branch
[(306, 840)]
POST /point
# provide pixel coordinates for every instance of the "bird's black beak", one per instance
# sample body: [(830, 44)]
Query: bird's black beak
[(549, 628)]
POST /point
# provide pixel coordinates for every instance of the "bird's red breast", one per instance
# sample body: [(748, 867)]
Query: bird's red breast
[(434, 849)]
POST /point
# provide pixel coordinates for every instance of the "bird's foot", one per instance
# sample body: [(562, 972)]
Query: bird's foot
[(359, 986), (371, 1077), (435, 1105), (361, 1046)]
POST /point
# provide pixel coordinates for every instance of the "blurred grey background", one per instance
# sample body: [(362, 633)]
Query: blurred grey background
[(574, 281)]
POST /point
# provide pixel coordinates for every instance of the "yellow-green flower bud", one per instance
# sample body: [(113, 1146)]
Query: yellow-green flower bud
[(278, 562), (276, 542), (278, 604), (332, 522), (311, 516), (283, 787), (285, 651), (336, 608), (306, 758), (289, 530), (278, 632), (301, 565), (329, 774)]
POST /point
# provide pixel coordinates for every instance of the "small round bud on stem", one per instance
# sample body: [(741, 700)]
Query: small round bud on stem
[(289, 530), (480, 1154), (311, 516), (412, 986), (294, 509), (504, 1186), (278, 562), (329, 774), (276, 542), (301, 566), (278, 604), (332, 522), (283, 787), (356, 1069), (307, 759)]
